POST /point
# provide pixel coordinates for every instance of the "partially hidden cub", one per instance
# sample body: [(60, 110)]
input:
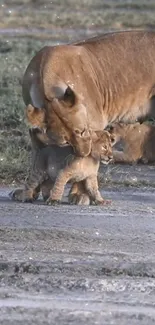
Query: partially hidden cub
[(138, 142), (54, 166)]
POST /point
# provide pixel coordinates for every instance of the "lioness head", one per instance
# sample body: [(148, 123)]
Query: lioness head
[(57, 80), (71, 127), (102, 147), (55, 123), (37, 118)]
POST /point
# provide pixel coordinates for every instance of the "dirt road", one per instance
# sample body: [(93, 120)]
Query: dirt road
[(79, 265)]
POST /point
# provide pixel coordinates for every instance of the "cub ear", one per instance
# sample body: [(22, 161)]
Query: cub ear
[(113, 139)]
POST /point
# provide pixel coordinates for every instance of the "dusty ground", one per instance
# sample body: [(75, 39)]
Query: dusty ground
[(80, 265), (70, 265)]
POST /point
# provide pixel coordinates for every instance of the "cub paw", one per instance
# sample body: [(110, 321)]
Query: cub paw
[(53, 202)]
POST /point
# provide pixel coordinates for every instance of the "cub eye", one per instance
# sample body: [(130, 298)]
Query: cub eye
[(104, 148)]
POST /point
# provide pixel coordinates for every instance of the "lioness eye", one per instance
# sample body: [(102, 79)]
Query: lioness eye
[(104, 148)]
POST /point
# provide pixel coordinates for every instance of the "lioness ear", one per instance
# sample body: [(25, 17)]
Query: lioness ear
[(69, 97)]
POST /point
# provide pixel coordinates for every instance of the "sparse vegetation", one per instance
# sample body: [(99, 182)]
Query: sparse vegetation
[(25, 27)]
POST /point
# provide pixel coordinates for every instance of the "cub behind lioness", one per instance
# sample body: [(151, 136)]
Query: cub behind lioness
[(138, 142)]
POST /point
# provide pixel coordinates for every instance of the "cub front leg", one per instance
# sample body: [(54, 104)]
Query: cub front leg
[(92, 188), (58, 189), (78, 194)]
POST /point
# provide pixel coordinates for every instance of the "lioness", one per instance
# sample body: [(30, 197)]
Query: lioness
[(87, 85), (59, 165), (138, 142)]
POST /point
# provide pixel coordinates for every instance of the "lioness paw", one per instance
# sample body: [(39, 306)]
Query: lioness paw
[(82, 199), (22, 195)]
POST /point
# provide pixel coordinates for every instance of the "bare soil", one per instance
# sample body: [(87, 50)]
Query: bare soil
[(80, 265)]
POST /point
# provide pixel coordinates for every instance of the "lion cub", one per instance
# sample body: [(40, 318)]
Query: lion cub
[(86, 168), (138, 142), (55, 166)]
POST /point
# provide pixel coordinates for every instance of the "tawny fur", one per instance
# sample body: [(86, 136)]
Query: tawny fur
[(52, 164), (85, 168), (87, 85), (90, 84), (138, 142)]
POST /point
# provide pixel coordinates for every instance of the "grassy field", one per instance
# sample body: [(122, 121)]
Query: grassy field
[(25, 27)]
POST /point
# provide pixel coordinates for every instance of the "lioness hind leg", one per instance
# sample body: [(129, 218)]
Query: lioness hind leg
[(78, 194), (92, 188)]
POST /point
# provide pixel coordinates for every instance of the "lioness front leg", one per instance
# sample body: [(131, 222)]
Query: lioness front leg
[(78, 194), (92, 188), (31, 190), (46, 187)]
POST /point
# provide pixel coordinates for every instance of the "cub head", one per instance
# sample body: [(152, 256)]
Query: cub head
[(39, 132), (121, 130), (102, 147)]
